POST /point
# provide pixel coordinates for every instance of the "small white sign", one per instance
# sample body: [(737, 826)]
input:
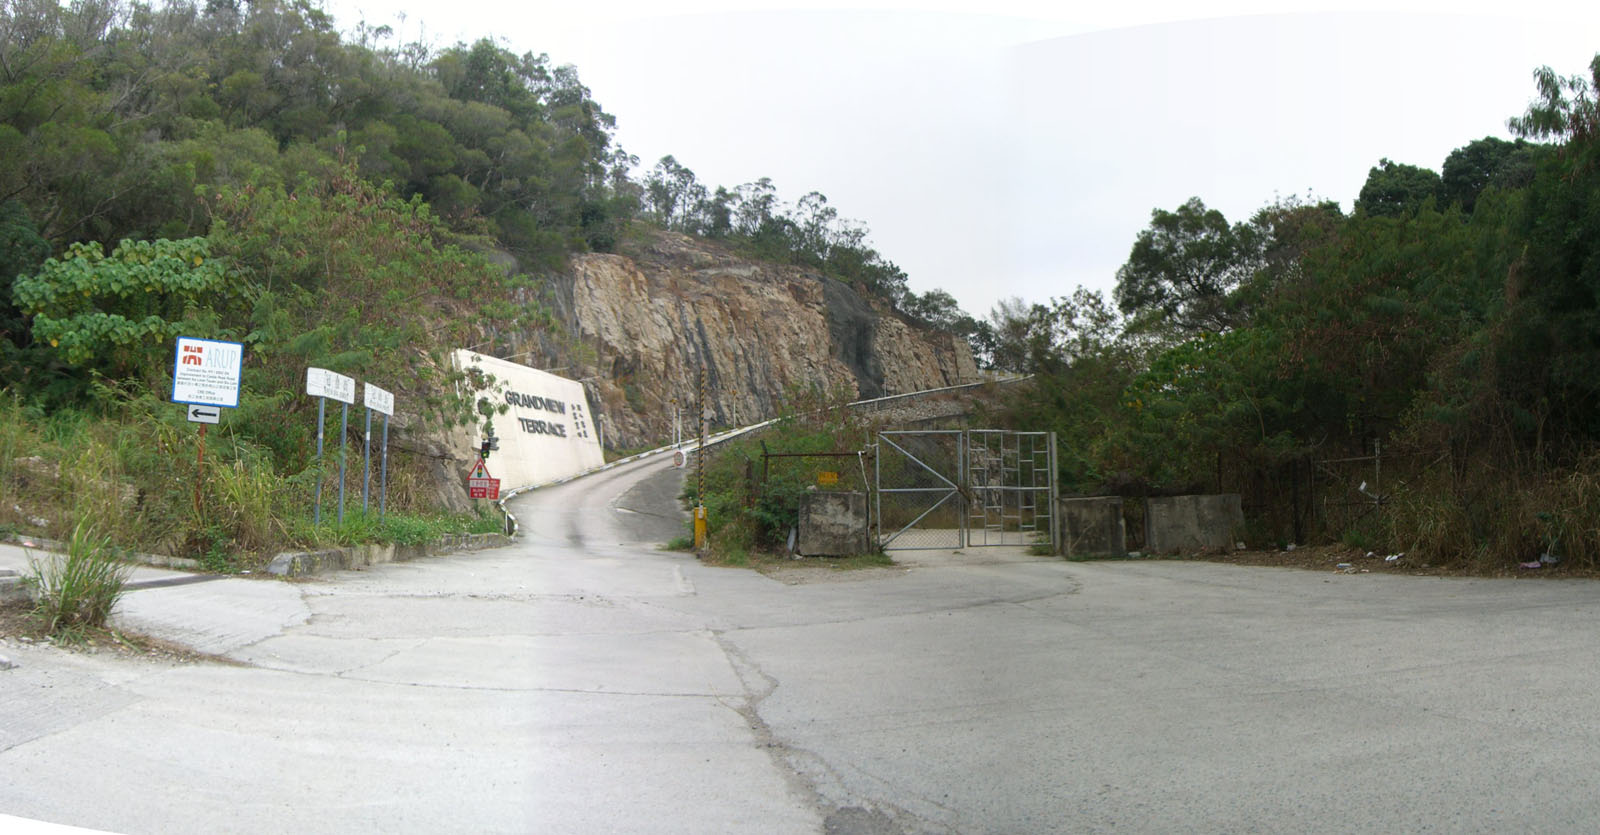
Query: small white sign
[(205, 414), (377, 399), (206, 372), (320, 382)]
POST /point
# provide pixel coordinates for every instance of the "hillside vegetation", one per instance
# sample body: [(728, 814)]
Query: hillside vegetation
[(1450, 325), (245, 171)]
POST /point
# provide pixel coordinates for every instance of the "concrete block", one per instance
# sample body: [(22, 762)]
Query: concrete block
[(1093, 527), (13, 589), (303, 563), (1187, 524), (833, 524)]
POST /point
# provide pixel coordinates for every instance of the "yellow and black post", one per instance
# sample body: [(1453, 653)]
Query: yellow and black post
[(700, 467)]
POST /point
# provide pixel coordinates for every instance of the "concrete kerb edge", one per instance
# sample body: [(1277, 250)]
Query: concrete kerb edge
[(58, 547), (306, 563)]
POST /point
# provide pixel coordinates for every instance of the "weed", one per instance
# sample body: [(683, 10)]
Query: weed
[(1358, 539), (400, 528), (871, 559), (679, 543), (80, 588)]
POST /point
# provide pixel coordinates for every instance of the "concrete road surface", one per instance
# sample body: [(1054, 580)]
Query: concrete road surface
[(581, 681)]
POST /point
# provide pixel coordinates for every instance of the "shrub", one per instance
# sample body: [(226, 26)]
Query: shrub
[(80, 588)]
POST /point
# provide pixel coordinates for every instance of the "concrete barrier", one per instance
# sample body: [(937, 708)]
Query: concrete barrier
[(1092, 527), (1187, 524), (832, 524), (305, 563)]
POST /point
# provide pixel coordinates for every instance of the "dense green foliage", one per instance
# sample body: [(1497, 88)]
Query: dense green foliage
[(751, 507), (245, 171), (1452, 322)]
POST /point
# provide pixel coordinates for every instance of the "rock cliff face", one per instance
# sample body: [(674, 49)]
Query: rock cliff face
[(646, 323)]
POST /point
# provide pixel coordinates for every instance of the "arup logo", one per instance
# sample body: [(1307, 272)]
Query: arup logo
[(192, 354)]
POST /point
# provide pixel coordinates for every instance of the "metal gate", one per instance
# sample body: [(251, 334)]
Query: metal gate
[(919, 499), (948, 489)]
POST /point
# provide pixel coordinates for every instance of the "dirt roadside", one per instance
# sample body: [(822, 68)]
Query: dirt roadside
[(1341, 558), (19, 626)]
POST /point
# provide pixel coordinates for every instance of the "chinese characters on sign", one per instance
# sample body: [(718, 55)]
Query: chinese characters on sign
[(377, 399), (480, 485), (580, 427), (320, 382)]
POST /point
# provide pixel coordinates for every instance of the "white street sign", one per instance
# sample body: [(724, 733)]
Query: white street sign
[(320, 382), (205, 414), (206, 372), (377, 399)]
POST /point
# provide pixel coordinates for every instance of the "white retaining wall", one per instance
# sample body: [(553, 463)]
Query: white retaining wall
[(546, 433)]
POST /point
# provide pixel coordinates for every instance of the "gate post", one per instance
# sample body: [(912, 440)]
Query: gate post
[(877, 488), (963, 476), (1055, 500)]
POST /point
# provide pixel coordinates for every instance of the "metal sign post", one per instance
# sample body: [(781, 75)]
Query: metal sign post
[(383, 470), (323, 384), (316, 517), (344, 443), (375, 398), (366, 461)]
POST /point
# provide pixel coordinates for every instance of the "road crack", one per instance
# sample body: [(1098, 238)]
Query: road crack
[(797, 765)]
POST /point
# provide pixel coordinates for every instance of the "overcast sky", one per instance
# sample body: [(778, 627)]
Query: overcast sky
[(1015, 148)]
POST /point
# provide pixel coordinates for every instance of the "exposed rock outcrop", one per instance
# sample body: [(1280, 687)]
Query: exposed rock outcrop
[(645, 324)]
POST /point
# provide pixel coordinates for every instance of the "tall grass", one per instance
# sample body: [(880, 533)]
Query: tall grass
[(131, 475), (1489, 519), (79, 588)]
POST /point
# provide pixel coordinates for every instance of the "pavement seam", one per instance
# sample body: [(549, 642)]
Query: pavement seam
[(788, 759), (411, 645)]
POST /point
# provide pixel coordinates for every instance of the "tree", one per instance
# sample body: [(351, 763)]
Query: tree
[(673, 193), (758, 204), (936, 308), (815, 223), (1485, 163), (22, 250), (112, 313), (1183, 268), (1567, 108), (1393, 189), (1021, 335)]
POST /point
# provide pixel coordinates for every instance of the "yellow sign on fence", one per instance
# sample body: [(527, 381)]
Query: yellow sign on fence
[(827, 478)]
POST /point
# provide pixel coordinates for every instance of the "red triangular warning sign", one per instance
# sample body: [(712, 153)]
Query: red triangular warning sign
[(479, 470)]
